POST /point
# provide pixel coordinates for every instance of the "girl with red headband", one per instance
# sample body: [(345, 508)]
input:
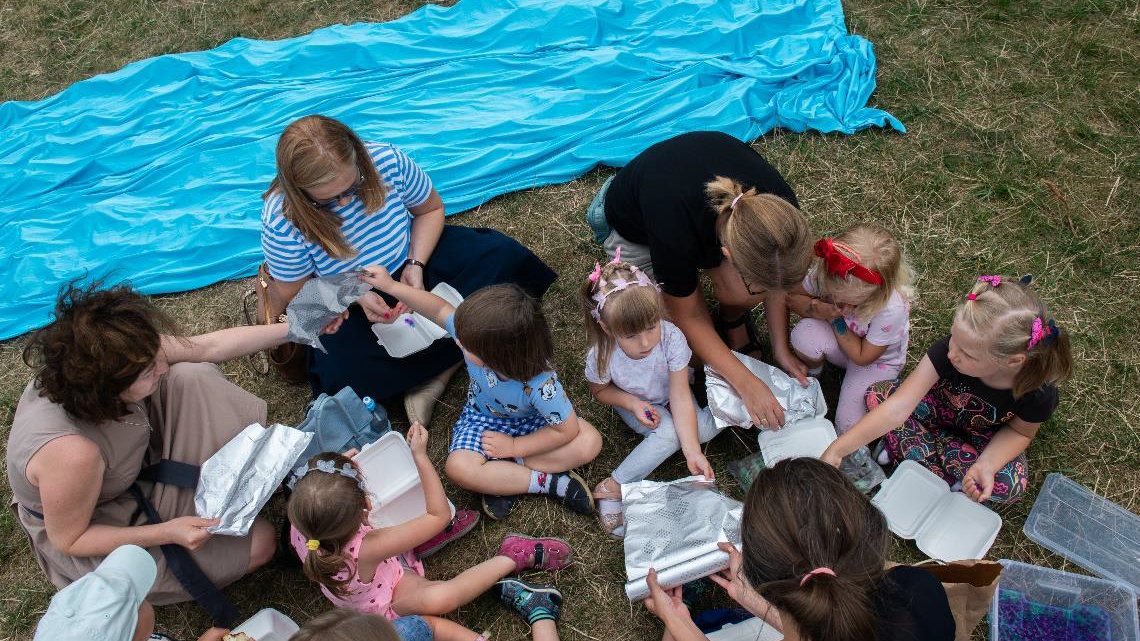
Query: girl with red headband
[(972, 406), (856, 314)]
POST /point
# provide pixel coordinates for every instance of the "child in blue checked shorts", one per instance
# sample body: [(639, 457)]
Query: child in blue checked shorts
[(518, 433)]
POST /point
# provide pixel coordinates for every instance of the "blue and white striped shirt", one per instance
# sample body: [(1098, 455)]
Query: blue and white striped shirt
[(380, 238)]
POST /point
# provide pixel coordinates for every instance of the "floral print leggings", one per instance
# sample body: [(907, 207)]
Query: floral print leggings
[(930, 438)]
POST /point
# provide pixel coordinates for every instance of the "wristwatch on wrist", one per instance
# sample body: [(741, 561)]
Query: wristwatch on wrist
[(413, 261)]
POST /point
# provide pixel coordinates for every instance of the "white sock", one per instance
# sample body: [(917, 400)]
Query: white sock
[(544, 482), (884, 457), (957, 487)]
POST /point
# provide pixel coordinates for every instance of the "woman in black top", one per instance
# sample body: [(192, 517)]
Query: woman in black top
[(812, 563), (706, 202)]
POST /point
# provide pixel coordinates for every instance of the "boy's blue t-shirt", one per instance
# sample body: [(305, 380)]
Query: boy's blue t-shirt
[(500, 397)]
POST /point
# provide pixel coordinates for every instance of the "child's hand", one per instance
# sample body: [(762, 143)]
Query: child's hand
[(378, 311), (418, 439), (698, 464), (498, 445), (335, 323), (646, 414), (825, 311), (978, 484), (377, 276)]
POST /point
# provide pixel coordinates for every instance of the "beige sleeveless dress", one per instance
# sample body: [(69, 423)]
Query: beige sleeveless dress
[(193, 413)]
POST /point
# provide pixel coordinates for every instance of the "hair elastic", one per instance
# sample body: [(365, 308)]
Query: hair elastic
[(816, 572), (994, 281), (1042, 332), (312, 544), (732, 205), (971, 296), (640, 279), (840, 264)]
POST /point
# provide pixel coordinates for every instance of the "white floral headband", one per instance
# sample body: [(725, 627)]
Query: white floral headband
[(640, 279), (329, 467)]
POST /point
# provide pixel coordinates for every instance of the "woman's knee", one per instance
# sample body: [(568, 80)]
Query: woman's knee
[(263, 543)]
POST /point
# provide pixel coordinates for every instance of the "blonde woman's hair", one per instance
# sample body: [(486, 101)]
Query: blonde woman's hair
[(878, 251), (310, 152), (346, 625), (1003, 316), (766, 235), (627, 312), (328, 508)]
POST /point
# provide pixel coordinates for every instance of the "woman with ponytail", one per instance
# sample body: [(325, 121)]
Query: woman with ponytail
[(705, 202), (812, 565)]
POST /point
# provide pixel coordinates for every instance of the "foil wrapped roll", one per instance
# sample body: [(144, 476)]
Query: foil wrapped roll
[(237, 481), (799, 402), (675, 527), (319, 302)]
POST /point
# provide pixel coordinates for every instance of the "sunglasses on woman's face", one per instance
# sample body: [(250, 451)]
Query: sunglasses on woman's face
[(329, 203)]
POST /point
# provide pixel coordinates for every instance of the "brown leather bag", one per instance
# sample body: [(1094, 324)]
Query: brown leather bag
[(291, 360)]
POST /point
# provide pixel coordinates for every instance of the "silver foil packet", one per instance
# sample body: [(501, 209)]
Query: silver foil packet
[(799, 402), (319, 302), (237, 481), (674, 527)]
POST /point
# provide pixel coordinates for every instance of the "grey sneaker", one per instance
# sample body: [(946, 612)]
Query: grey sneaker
[(532, 601)]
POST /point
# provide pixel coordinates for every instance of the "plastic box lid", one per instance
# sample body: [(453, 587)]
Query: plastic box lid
[(1060, 591), (1087, 529), (391, 476), (753, 629), (945, 525), (808, 437), (401, 338), (268, 625)]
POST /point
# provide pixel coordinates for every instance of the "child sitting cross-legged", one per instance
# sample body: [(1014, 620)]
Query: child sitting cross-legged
[(638, 363), (518, 433), (372, 570)]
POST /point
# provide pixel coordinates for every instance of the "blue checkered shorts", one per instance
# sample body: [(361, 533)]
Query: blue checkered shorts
[(468, 431)]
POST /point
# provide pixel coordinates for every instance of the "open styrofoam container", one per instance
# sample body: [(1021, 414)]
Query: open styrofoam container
[(753, 629), (401, 338), (1086, 528), (807, 437), (268, 625), (945, 525), (392, 479), (1055, 592)]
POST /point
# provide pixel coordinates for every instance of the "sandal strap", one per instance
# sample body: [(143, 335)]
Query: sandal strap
[(539, 552)]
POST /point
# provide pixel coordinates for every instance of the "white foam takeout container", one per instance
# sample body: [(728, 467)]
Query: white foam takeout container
[(753, 629), (807, 437), (268, 625), (945, 525), (392, 479), (401, 339)]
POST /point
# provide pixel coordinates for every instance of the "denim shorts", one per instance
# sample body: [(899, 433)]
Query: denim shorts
[(596, 213), (413, 628)]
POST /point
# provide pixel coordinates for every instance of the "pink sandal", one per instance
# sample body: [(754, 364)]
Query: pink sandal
[(612, 522), (528, 552)]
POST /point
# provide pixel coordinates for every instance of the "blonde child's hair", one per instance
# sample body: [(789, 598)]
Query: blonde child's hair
[(328, 509), (876, 249), (346, 625), (766, 235), (627, 311), (310, 152), (1002, 311)]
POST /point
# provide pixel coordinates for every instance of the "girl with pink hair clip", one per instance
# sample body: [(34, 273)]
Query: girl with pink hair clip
[(637, 363), (972, 406)]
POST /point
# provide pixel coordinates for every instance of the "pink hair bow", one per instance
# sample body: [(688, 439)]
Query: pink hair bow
[(1042, 331), (994, 281)]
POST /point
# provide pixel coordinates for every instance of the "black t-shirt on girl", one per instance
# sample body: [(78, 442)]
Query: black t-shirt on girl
[(911, 605), (981, 407), (659, 200)]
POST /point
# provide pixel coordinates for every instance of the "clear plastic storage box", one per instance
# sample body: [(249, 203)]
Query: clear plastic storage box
[(1041, 604), (1087, 529)]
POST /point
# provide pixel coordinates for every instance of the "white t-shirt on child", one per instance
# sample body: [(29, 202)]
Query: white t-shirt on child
[(646, 378), (889, 327)]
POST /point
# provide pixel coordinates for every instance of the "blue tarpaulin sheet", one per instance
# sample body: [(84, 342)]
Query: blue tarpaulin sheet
[(153, 173)]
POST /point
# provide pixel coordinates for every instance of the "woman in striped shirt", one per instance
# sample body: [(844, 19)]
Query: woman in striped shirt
[(339, 204)]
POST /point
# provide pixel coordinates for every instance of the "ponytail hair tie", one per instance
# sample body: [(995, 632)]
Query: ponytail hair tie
[(732, 205), (312, 545), (816, 572), (971, 296), (993, 281), (1042, 332)]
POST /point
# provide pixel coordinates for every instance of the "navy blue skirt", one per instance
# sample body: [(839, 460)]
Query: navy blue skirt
[(468, 259)]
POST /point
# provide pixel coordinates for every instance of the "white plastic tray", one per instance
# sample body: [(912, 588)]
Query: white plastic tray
[(402, 337), (392, 479), (809, 437), (753, 629), (268, 625), (945, 525)]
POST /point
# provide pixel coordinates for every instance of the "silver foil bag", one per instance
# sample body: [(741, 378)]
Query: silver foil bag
[(319, 302), (799, 402), (675, 527), (237, 481)]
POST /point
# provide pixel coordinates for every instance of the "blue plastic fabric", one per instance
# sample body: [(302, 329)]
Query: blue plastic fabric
[(154, 173)]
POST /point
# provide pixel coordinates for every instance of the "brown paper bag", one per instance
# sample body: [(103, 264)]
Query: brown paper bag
[(970, 587)]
